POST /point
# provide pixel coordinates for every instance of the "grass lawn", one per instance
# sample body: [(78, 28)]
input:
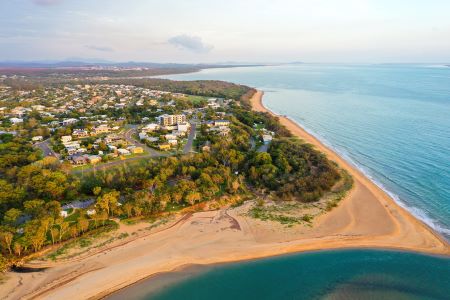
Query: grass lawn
[(196, 99)]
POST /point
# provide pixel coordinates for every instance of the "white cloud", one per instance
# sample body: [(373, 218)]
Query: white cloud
[(191, 43)]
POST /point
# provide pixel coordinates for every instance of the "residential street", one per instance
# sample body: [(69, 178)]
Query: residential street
[(188, 147), (45, 147)]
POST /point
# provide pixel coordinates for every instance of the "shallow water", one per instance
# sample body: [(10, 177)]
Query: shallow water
[(347, 274), (391, 121)]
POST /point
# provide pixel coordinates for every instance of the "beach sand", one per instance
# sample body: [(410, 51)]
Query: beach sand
[(366, 218)]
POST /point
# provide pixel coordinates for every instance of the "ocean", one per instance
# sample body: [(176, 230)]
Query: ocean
[(330, 275), (390, 121)]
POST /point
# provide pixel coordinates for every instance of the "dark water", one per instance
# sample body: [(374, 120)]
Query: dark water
[(346, 275)]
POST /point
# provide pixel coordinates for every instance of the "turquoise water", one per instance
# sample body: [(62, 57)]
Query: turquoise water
[(391, 121), (346, 275)]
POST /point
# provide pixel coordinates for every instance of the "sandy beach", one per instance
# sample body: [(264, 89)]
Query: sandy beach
[(367, 217)]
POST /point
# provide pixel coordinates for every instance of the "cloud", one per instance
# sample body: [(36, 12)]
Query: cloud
[(191, 43), (100, 48), (46, 2)]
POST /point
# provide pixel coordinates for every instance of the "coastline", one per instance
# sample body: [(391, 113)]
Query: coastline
[(360, 178), (366, 218)]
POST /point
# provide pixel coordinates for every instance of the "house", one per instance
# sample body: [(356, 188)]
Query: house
[(100, 129), (63, 214), (221, 123), (80, 133), (70, 121), (38, 107), (123, 151), (16, 121), (170, 136), (169, 127), (94, 159), (38, 138), (165, 146), (172, 142), (150, 127), (136, 150), (267, 138), (152, 102), (66, 138), (178, 133), (78, 160), (143, 135), (183, 127), (91, 212)]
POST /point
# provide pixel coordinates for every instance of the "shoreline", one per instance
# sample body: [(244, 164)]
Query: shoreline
[(394, 197), (366, 219), (334, 155)]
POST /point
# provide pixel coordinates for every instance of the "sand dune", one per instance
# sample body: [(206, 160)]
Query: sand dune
[(367, 217)]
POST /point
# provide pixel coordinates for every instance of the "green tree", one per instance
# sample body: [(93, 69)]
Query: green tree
[(11, 216)]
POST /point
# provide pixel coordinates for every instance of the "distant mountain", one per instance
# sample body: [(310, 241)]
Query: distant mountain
[(83, 62)]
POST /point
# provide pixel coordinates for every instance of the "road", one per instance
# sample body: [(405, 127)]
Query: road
[(45, 147), (188, 147), (128, 135)]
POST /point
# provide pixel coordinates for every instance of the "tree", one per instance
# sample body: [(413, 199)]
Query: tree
[(235, 185), (34, 234), (83, 224), (53, 208), (137, 210), (9, 195), (6, 239), (73, 231), (193, 197), (11, 216), (63, 228), (128, 208), (34, 207), (97, 190), (17, 248), (54, 233), (108, 201)]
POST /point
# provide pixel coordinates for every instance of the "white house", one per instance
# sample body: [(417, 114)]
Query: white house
[(69, 121), (16, 120), (267, 138), (37, 138), (142, 135), (170, 136), (66, 139), (123, 152), (183, 127), (150, 127)]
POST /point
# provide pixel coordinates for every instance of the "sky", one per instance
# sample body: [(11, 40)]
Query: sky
[(212, 31)]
